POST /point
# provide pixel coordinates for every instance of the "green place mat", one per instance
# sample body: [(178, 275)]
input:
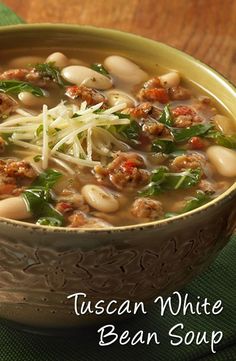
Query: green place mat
[(219, 282)]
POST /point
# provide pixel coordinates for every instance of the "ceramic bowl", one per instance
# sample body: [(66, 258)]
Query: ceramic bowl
[(40, 266)]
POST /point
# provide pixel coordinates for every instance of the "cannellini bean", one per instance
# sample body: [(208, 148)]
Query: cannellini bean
[(31, 100), (14, 208), (100, 198), (125, 69), (226, 125), (24, 61), (79, 75), (59, 59), (170, 80), (118, 97), (223, 159)]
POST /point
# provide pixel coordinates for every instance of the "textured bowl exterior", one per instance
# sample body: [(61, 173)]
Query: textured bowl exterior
[(40, 267)]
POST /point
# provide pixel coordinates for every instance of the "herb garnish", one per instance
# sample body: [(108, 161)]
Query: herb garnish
[(39, 197), (16, 87), (100, 69), (51, 71), (162, 180)]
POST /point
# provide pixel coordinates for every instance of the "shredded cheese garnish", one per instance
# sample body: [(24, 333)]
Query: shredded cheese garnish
[(67, 133)]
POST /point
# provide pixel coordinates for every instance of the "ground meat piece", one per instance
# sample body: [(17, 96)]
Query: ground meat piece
[(91, 96), (187, 161), (70, 202), (153, 127), (7, 187), (179, 93), (183, 121), (125, 171), (7, 104), (64, 207), (207, 186), (14, 74), (154, 95), (147, 208), (81, 220), (20, 169), (152, 83), (2, 145), (27, 75), (141, 111)]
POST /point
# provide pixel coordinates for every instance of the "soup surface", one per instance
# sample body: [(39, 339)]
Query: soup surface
[(91, 142)]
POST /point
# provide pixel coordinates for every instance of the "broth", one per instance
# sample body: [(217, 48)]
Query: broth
[(90, 139)]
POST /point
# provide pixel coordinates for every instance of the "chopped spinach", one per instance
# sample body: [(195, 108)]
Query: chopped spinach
[(51, 71), (162, 180), (39, 196), (100, 69), (184, 134), (16, 87), (166, 117), (129, 131), (164, 146), (228, 141)]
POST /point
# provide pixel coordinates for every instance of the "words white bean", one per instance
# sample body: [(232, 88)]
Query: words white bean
[(169, 80), (223, 159), (125, 69), (100, 198), (118, 97), (225, 124), (59, 59), (77, 74), (14, 208)]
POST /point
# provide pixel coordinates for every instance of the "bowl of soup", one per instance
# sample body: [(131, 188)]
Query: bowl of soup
[(118, 170)]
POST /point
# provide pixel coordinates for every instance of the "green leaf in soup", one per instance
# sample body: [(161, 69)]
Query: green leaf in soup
[(48, 178), (164, 146), (51, 71), (199, 200), (166, 116), (100, 69), (184, 134), (162, 180), (49, 221), (129, 131), (16, 87), (228, 141)]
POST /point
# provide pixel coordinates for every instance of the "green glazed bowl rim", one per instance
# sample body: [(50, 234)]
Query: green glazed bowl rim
[(229, 193)]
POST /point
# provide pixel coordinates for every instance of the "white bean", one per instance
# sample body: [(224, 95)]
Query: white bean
[(170, 80), (223, 159), (14, 208), (31, 100), (225, 124), (59, 59), (25, 61), (78, 75), (125, 69), (118, 97), (100, 198)]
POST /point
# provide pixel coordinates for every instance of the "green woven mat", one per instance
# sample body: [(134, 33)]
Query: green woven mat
[(219, 282)]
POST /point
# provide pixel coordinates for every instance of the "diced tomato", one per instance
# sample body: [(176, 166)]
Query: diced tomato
[(129, 165), (157, 94), (183, 110), (196, 143), (64, 207)]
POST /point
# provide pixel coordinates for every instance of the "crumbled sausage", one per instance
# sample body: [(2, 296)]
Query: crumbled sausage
[(207, 186), (81, 220), (14, 74), (20, 169), (179, 93), (141, 111), (187, 161), (152, 83), (154, 95), (125, 171), (70, 202), (153, 127), (147, 208), (91, 96), (7, 105)]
